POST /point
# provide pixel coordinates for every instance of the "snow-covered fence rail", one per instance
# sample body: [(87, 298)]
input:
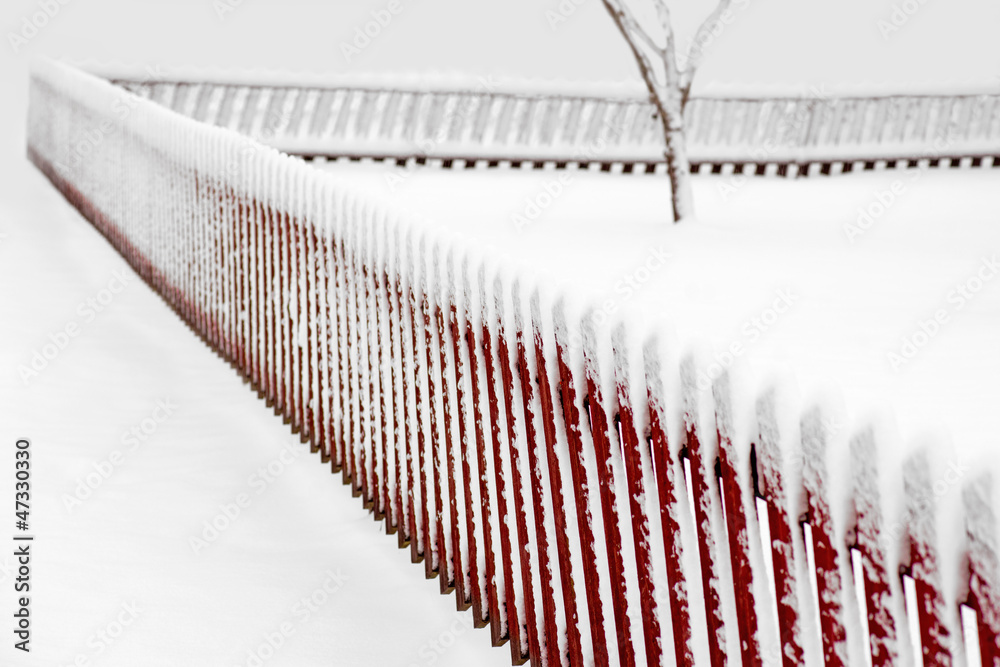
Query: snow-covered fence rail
[(491, 124), (577, 489)]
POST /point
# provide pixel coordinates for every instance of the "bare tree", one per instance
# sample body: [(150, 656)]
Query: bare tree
[(669, 85)]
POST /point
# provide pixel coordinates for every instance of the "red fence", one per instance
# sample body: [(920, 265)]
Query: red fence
[(588, 502)]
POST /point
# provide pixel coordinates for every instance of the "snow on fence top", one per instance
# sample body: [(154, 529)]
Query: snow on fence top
[(443, 81), (487, 119), (578, 489)]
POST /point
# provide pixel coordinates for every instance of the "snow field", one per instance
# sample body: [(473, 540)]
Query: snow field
[(587, 370), (128, 542)]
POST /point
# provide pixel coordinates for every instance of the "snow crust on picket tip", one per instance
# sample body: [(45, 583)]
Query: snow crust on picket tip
[(629, 370), (652, 366), (981, 516), (697, 403), (877, 500), (599, 360), (768, 430), (733, 394), (663, 380), (934, 476), (823, 436)]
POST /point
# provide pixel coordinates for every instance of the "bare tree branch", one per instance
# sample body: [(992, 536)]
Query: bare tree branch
[(697, 50), (663, 14), (669, 54), (622, 19), (665, 92), (667, 96), (627, 23)]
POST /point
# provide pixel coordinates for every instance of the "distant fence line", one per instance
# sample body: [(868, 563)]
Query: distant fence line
[(583, 508), (815, 133)]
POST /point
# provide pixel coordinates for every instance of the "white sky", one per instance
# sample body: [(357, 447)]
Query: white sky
[(769, 40), (783, 41)]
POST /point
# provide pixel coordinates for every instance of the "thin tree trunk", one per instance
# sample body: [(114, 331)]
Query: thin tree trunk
[(672, 93), (678, 168)]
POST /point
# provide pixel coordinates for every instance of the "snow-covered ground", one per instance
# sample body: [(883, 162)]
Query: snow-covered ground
[(128, 544), (780, 269), (140, 435), (897, 312)]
